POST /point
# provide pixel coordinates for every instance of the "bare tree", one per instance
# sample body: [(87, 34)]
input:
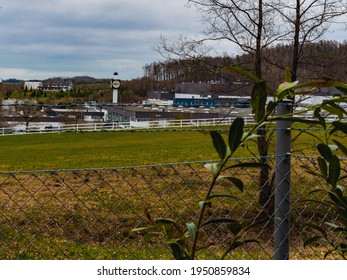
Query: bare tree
[(306, 22), (28, 111), (253, 26), (250, 25), (3, 120), (73, 116)]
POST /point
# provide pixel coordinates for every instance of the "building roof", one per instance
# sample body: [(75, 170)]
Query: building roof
[(226, 89), (169, 112), (57, 83)]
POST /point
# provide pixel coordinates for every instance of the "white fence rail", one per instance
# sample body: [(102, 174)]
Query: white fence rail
[(117, 126), (36, 128)]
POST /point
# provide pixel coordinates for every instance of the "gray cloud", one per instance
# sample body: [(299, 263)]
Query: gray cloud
[(40, 38)]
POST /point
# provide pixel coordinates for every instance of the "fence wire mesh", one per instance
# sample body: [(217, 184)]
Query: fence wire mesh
[(90, 213)]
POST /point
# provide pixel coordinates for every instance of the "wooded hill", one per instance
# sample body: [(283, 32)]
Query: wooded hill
[(322, 59)]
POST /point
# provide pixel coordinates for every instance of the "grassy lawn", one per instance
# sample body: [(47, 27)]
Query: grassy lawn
[(102, 149), (116, 149)]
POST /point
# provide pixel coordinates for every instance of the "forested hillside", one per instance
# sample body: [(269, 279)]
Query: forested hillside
[(325, 58)]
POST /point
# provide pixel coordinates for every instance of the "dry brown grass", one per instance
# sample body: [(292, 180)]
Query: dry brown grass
[(89, 214)]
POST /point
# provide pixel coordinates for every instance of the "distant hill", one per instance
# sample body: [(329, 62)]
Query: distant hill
[(12, 80), (76, 80), (84, 80)]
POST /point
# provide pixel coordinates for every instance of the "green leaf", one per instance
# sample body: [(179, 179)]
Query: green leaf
[(148, 236), (339, 199), (207, 203), (333, 103), (309, 171), (219, 144), (335, 198), (340, 126), (235, 134), (236, 181), (224, 196), (191, 229), (311, 240), (250, 137), (333, 148), (143, 228), (329, 253), (283, 88), (177, 251), (235, 227), (258, 100), (328, 204), (323, 167), (148, 216), (341, 147), (323, 83), (325, 151), (339, 190), (338, 98), (165, 222), (333, 110), (318, 116), (342, 88), (249, 165), (334, 171), (315, 227), (271, 106), (213, 167), (340, 229), (287, 75), (298, 120), (236, 244), (335, 227)]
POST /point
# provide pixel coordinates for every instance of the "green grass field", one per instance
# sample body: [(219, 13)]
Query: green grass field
[(102, 150), (114, 149)]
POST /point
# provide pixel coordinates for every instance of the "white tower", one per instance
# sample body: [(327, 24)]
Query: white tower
[(115, 84)]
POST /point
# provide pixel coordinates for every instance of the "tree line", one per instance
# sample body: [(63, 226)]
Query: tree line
[(320, 59)]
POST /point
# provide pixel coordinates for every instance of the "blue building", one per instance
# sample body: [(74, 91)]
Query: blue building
[(207, 95), (212, 102), (193, 102)]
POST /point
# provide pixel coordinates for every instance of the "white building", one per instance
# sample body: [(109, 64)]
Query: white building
[(57, 84), (32, 85)]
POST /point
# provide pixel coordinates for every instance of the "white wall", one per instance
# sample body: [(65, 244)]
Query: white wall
[(32, 85)]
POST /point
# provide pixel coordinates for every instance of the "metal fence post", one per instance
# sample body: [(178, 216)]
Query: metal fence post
[(282, 184)]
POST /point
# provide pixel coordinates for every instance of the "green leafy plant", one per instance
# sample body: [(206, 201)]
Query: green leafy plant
[(330, 172), (329, 164), (183, 241)]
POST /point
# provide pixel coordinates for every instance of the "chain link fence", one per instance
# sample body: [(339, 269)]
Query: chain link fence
[(90, 213)]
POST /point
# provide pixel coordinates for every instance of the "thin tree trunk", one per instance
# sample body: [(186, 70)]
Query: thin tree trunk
[(296, 43), (265, 187)]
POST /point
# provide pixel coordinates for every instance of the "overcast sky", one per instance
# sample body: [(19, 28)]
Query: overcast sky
[(48, 38), (65, 38)]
